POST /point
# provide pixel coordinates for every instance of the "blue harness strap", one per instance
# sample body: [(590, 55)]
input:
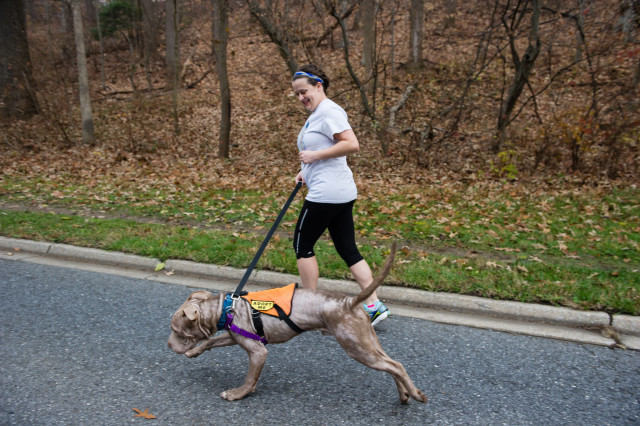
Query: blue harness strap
[(226, 307)]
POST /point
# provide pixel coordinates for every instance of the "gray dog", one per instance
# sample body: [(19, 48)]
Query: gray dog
[(197, 321)]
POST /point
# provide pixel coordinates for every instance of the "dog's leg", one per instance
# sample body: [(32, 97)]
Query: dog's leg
[(382, 362), (257, 357), (365, 348), (214, 342)]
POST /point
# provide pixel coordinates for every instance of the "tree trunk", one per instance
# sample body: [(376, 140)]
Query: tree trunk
[(90, 12), (347, 10), (416, 33), (88, 135), (220, 32), (149, 37), (522, 67), (628, 19), (101, 43), (392, 35), (173, 57), (275, 33), (368, 34), (634, 5), (149, 31), (580, 32), (16, 81), (363, 94)]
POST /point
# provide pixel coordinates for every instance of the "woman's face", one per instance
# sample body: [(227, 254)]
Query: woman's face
[(309, 95)]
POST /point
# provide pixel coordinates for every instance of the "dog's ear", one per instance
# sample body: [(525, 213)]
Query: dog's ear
[(192, 312)]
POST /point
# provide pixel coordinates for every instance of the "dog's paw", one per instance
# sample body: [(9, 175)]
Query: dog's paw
[(193, 353), (233, 394), (422, 397)]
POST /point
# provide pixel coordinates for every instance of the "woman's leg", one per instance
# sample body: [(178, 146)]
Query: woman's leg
[(312, 222), (343, 235), (363, 276), (309, 273)]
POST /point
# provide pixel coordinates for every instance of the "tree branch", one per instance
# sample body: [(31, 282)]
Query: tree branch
[(363, 95)]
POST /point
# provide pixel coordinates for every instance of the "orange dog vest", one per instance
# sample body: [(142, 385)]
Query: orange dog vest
[(264, 301)]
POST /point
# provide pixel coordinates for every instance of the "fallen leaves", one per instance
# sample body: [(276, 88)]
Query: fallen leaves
[(144, 414), (507, 249)]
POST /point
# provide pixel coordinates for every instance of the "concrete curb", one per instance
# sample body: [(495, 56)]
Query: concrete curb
[(616, 330), (102, 256), (16, 245), (626, 324), (204, 270)]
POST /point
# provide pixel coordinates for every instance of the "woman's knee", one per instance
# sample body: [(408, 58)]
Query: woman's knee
[(351, 257), (302, 250)]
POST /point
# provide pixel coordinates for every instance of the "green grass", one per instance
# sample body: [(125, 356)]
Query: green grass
[(574, 248)]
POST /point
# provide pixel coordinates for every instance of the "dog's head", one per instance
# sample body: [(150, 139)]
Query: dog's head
[(194, 321)]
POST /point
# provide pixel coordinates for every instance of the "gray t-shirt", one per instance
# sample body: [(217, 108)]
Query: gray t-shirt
[(331, 180)]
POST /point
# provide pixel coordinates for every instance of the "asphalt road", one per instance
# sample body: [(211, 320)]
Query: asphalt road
[(80, 347)]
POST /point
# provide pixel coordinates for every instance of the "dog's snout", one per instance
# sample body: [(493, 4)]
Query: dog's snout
[(175, 345)]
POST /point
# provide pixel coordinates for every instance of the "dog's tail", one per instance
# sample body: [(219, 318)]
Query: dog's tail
[(382, 275)]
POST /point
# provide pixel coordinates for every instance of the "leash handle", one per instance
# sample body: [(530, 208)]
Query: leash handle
[(254, 262)]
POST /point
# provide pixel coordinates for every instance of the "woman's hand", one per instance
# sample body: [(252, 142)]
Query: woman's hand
[(308, 157), (346, 143), (300, 178)]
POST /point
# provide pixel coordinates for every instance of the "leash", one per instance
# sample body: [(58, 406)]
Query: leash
[(244, 279)]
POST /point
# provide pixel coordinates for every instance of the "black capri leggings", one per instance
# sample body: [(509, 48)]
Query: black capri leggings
[(315, 218)]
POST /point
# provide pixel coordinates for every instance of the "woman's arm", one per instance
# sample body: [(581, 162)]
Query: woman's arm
[(347, 144)]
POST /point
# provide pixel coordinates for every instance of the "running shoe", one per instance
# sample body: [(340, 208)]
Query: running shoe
[(377, 312)]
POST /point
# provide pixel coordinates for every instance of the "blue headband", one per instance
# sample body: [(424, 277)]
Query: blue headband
[(315, 77)]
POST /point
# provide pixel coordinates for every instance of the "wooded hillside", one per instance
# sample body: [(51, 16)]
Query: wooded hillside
[(533, 90)]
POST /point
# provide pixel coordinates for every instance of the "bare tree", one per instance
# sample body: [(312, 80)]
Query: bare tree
[(172, 58), (416, 33), (150, 35), (511, 21), (123, 18), (369, 34), (628, 18), (220, 31), (150, 28), (88, 135), (331, 7), (101, 43), (266, 17), (580, 32), (347, 9), (90, 12), (172, 44), (629, 24), (18, 97)]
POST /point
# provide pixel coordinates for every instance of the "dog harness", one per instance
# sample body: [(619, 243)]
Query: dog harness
[(275, 302)]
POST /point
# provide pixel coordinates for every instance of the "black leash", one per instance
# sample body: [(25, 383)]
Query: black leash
[(244, 279)]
